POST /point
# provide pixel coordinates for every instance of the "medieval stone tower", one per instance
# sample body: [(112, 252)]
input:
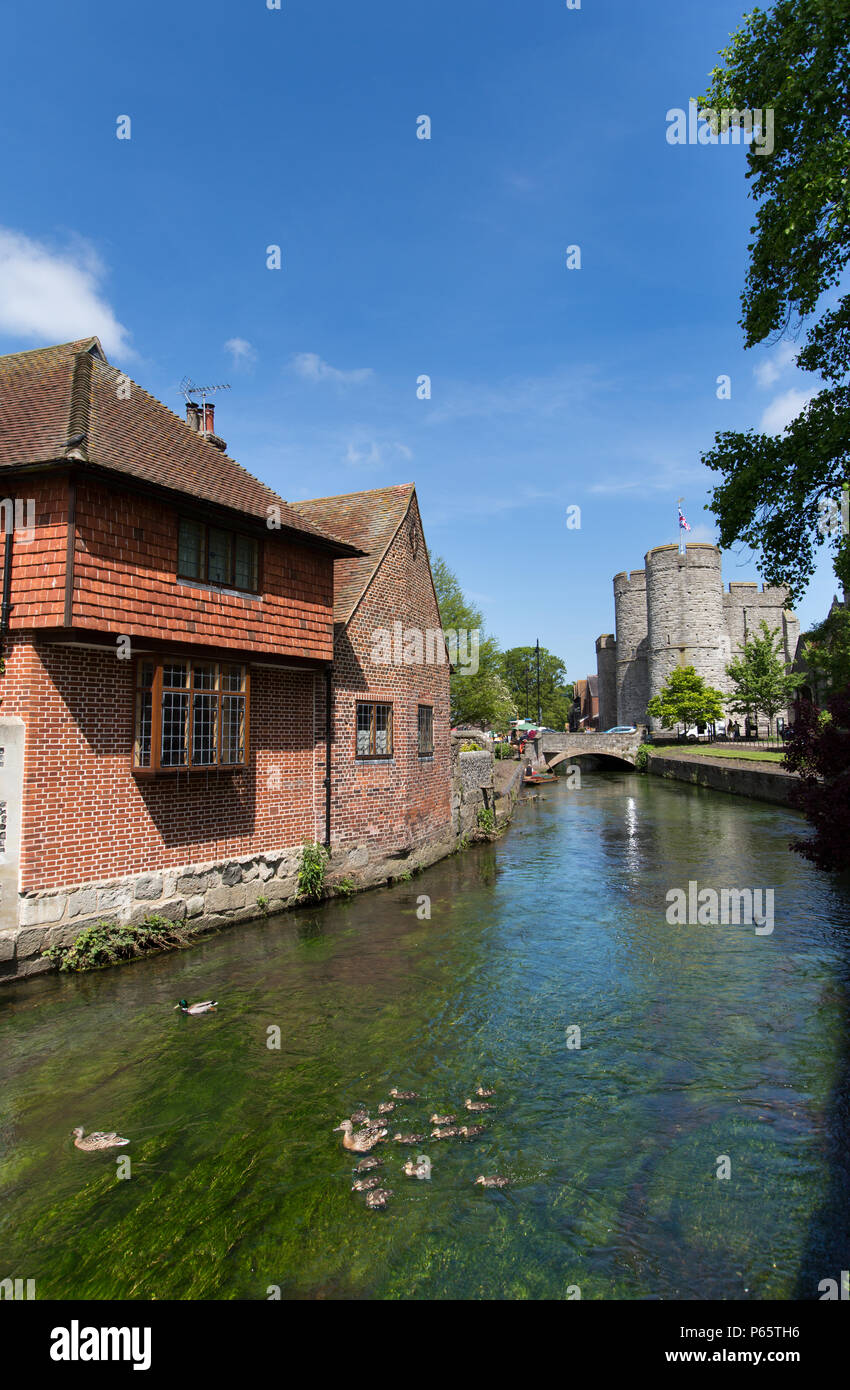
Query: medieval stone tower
[(674, 612)]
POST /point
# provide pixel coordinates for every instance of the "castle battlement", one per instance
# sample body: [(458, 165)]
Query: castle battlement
[(675, 612)]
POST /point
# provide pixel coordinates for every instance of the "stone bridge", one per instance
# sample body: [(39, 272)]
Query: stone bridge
[(559, 748)]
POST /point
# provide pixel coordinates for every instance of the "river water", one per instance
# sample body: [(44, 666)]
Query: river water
[(697, 1042)]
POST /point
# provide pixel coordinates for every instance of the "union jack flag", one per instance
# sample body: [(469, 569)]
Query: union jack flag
[(683, 525)]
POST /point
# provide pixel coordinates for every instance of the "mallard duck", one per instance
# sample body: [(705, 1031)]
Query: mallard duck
[(450, 1133), (484, 1093), (367, 1164), (386, 1107), (202, 1008), (471, 1131), (379, 1197), (99, 1140), (360, 1117), (492, 1182), (403, 1095), (363, 1140), (408, 1138), (417, 1168), (477, 1105), (443, 1119), (364, 1184)]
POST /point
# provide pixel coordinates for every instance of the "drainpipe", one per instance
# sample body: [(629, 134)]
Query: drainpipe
[(328, 699), (7, 590)]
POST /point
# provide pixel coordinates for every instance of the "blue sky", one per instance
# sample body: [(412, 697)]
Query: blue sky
[(594, 387)]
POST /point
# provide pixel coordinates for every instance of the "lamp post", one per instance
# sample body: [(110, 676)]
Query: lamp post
[(539, 713)]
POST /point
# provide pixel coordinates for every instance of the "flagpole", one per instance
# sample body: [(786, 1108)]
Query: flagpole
[(679, 504)]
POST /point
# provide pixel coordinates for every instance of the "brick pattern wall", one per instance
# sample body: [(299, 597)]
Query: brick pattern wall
[(85, 817), (125, 583), (406, 800), (38, 563)]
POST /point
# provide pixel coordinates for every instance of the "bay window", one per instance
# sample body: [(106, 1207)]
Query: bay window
[(190, 714)]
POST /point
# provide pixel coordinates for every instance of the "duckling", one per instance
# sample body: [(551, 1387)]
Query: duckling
[(450, 1133), (367, 1164), (408, 1138), (360, 1117), (98, 1140), (378, 1198), (386, 1107), (492, 1182), (363, 1140), (364, 1184), (418, 1168), (443, 1119), (471, 1131), (403, 1095), (202, 1008), (484, 1093), (477, 1105)]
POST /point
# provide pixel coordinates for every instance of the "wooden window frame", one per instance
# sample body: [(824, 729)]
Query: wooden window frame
[(424, 752), (203, 578), (156, 768), (372, 756)]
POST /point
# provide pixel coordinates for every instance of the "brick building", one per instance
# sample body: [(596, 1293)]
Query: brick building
[(189, 689)]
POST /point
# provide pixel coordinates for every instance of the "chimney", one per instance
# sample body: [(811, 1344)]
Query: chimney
[(193, 415), (208, 428)]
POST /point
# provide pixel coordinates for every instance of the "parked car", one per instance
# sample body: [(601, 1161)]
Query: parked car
[(622, 729)]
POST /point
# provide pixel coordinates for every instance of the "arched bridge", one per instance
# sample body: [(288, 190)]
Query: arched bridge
[(553, 749)]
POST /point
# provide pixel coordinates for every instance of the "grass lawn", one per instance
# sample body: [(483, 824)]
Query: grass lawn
[(756, 755)]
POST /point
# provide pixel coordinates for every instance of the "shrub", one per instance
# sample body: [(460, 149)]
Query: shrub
[(642, 756), (346, 887), (263, 902), (486, 819), (106, 943), (311, 870)]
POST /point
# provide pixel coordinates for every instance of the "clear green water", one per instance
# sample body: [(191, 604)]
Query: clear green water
[(697, 1042)]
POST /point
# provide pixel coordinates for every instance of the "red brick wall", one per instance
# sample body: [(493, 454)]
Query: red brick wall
[(406, 800), (85, 817)]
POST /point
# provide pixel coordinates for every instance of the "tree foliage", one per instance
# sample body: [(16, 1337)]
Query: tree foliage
[(556, 696), (793, 59), (686, 699), (826, 650), (762, 684), (820, 752)]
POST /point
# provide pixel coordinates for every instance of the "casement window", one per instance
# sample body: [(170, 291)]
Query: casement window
[(426, 731), (190, 715), (217, 556), (374, 730)]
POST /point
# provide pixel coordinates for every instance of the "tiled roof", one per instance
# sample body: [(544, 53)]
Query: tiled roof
[(49, 397), (368, 520)]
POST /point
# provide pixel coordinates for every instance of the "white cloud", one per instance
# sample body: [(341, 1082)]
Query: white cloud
[(241, 351), (310, 366), (769, 371), (51, 296), (783, 409), (370, 454)]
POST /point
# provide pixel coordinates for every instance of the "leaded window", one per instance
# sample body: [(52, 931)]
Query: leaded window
[(190, 714)]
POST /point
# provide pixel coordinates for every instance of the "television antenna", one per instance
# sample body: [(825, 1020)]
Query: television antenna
[(188, 388)]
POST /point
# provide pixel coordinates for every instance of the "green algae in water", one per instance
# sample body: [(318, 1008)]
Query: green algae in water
[(696, 1042)]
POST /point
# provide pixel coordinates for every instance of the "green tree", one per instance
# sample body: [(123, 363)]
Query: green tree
[(556, 696), (826, 651), (793, 60), (477, 696), (761, 681), (686, 699)]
